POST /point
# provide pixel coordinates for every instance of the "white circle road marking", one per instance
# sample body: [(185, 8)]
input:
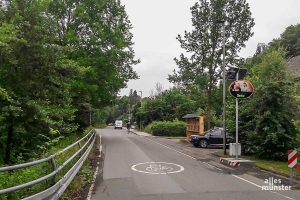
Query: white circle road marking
[(157, 168)]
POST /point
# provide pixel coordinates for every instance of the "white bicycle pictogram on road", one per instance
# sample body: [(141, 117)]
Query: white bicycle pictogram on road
[(157, 168)]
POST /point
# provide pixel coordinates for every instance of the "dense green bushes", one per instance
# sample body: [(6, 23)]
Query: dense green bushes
[(167, 128), (148, 128), (168, 105)]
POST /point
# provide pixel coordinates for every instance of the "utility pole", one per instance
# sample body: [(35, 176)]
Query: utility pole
[(224, 89), (141, 106), (237, 121), (129, 106), (236, 73), (129, 114)]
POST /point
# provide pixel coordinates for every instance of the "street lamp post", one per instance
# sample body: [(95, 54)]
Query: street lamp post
[(236, 73), (224, 88), (141, 106), (129, 114), (236, 122)]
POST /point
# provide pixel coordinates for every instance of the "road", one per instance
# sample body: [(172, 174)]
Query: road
[(142, 168)]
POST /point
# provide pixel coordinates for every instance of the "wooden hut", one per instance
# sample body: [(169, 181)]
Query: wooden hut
[(195, 124)]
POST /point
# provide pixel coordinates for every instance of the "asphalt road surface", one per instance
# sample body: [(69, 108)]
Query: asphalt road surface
[(142, 168)]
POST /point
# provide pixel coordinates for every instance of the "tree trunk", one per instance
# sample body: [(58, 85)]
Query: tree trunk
[(209, 102), (9, 143), (211, 72)]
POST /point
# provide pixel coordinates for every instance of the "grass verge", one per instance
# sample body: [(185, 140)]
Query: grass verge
[(79, 187), (100, 126), (279, 167)]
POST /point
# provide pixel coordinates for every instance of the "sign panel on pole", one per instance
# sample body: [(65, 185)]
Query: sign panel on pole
[(292, 159), (241, 89)]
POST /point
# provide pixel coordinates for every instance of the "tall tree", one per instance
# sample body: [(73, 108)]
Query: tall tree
[(200, 69), (32, 73), (289, 40), (60, 59), (100, 41)]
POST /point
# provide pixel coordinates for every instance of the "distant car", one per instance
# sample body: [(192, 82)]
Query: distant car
[(211, 137), (118, 124), (110, 124)]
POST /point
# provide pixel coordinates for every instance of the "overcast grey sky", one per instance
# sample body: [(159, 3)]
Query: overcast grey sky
[(156, 23)]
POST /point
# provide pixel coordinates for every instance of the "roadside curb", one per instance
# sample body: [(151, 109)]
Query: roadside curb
[(230, 163), (237, 162), (246, 168), (133, 132), (144, 135)]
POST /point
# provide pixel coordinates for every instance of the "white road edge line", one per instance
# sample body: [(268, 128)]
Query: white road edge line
[(261, 187), (246, 181), (282, 195), (96, 173), (100, 145), (219, 169), (172, 149), (185, 155)]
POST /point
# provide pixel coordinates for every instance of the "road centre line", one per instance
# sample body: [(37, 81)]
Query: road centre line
[(261, 187)]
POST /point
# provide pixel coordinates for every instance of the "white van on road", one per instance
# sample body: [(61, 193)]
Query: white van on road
[(118, 124)]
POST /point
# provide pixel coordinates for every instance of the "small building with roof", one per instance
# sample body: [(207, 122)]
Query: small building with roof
[(293, 67), (195, 124)]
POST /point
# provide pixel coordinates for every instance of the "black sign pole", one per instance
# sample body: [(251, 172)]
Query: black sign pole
[(224, 89), (236, 121)]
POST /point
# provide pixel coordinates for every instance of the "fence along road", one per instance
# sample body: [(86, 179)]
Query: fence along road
[(55, 191)]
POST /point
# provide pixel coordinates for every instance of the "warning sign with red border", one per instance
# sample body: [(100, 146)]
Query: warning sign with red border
[(292, 159)]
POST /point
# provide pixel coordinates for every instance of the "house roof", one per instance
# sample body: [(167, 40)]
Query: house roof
[(191, 115), (293, 66)]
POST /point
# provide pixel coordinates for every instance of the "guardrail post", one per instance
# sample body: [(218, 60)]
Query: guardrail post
[(54, 167), (79, 145)]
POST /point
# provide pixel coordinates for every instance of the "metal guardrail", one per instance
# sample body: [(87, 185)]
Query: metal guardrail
[(56, 190)]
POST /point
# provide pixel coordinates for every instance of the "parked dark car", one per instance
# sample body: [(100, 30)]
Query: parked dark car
[(212, 137)]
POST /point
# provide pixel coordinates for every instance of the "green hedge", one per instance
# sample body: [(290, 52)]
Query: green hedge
[(167, 128), (148, 128)]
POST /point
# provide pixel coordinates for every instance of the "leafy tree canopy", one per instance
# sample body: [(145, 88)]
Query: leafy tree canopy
[(200, 68), (289, 40), (60, 61)]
